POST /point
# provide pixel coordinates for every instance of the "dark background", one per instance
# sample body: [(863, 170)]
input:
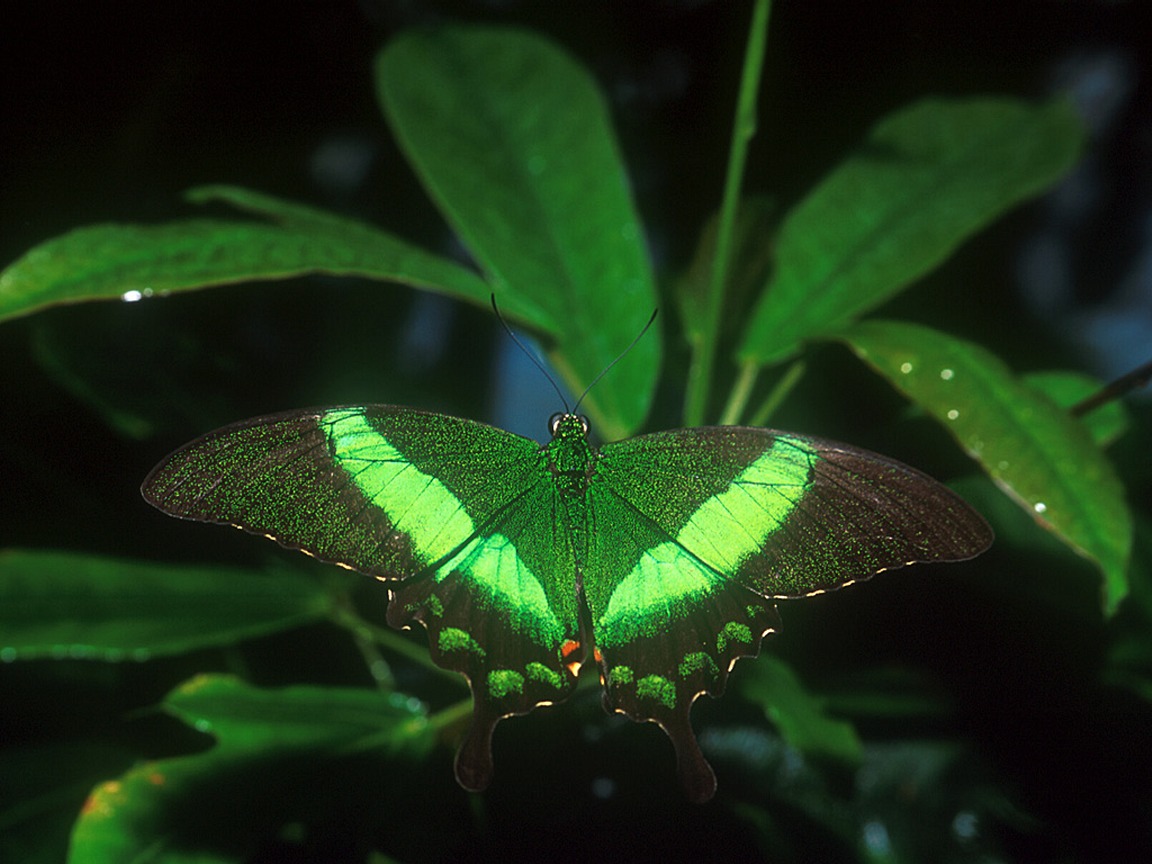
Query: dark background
[(110, 110)]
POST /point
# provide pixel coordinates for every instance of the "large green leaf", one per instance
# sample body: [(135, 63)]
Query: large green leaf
[(1038, 454), (513, 141), (1066, 389), (926, 178), (280, 756), (64, 605), (115, 261)]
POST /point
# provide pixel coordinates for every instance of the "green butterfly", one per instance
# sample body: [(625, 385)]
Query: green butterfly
[(659, 556)]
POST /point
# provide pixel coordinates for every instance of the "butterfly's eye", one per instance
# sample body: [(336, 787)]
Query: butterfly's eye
[(554, 422), (583, 423)]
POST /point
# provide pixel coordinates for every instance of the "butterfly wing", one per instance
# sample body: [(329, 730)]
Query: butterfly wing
[(721, 521), (458, 518)]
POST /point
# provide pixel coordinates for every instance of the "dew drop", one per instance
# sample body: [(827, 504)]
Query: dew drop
[(603, 788), (1040, 507), (876, 839), (965, 826), (905, 367), (953, 414), (946, 374)]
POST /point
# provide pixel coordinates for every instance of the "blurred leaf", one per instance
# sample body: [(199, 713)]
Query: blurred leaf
[(798, 714), (67, 606), (280, 756), (93, 375), (114, 261), (1034, 451), (927, 178), (43, 789), (1106, 424), (930, 801), (513, 141), (888, 693)]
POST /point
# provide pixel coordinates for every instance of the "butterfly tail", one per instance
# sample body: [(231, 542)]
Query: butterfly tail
[(474, 758), (696, 776)]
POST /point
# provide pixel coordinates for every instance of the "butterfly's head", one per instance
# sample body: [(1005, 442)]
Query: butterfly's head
[(565, 424)]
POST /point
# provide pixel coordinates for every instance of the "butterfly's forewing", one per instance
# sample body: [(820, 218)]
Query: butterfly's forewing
[(457, 517), (723, 521)]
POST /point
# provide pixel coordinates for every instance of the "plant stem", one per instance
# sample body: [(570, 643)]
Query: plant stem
[(741, 390), (743, 128), (454, 713), (364, 632), (779, 393)]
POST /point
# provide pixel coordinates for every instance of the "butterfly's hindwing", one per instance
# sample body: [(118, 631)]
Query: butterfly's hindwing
[(668, 623)]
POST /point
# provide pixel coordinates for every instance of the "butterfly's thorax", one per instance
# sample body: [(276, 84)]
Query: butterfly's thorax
[(571, 459)]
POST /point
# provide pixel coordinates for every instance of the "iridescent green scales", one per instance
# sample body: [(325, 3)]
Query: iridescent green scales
[(659, 556)]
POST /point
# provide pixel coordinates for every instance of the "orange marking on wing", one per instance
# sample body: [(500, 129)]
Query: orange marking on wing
[(567, 650)]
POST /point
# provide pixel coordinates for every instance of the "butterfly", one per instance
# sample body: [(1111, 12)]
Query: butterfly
[(660, 557)]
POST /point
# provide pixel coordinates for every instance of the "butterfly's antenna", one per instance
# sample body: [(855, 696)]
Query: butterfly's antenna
[(531, 356), (619, 357)]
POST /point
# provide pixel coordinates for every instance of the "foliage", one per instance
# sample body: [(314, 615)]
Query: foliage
[(512, 140)]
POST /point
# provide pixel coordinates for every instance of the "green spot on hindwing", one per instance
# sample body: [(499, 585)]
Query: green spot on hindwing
[(696, 662), (455, 639), (620, 675), (659, 688), (734, 630), (505, 682), (541, 673)]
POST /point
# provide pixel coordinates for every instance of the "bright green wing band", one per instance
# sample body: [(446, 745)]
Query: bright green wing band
[(415, 503)]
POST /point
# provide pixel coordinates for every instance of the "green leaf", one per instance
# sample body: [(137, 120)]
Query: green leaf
[(1106, 424), (67, 606), (1036, 452), (112, 261), (926, 179), (513, 141), (280, 756), (798, 714)]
